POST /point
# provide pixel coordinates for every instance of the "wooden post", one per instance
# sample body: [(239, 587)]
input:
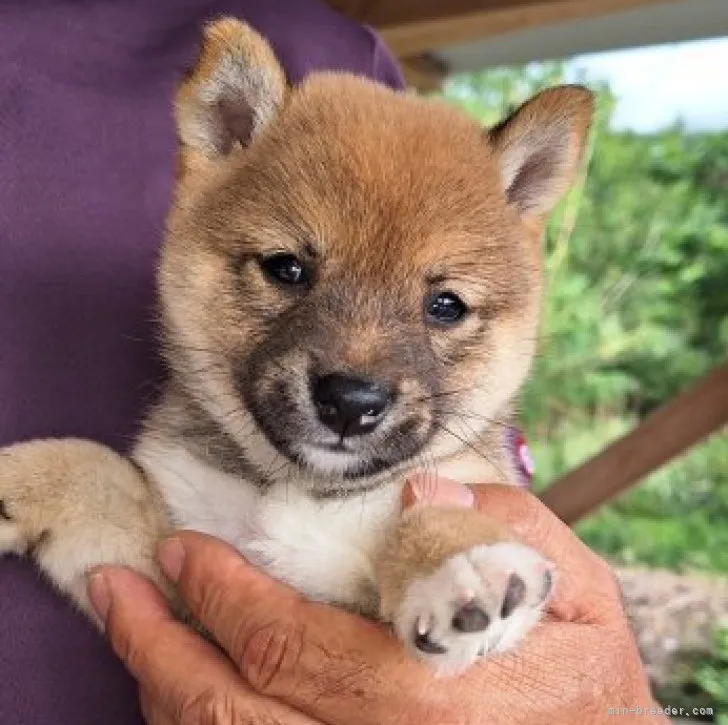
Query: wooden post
[(413, 27), (669, 431)]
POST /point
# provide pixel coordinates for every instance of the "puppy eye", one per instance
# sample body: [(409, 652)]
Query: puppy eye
[(285, 268), (446, 308)]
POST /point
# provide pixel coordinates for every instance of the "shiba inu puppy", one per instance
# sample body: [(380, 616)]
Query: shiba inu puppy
[(350, 288)]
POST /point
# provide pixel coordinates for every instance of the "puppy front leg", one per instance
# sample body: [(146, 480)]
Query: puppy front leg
[(72, 505), (456, 587)]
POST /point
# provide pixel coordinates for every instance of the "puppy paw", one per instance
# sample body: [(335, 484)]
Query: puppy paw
[(477, 603), (72, 505), (12, 540)]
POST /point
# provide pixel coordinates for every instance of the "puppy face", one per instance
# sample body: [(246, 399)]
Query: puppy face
[(351, 276)]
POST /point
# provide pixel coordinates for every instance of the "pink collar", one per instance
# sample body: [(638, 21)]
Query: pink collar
[(523, 463)]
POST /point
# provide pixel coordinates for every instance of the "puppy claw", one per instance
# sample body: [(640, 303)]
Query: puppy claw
[(12, 540), (426, 645), (424, 624)]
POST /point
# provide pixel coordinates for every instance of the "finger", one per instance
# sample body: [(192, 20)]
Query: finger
[(522, 512), (319, 659), (518, 509), (427, 488), (535, 524), (191, 680), (152, 711)]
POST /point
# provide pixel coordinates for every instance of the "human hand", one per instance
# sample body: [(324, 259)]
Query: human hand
[(292, 662)]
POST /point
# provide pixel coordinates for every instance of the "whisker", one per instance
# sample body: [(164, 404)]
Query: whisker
[(456, 414), (472, 447)]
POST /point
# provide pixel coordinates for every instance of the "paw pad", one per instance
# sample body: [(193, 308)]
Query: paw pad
[(470, 618), (515, 594)]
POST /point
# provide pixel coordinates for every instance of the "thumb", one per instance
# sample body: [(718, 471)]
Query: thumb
[(424, 488)]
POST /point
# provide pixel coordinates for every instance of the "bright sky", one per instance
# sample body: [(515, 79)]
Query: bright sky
[(657, 85)]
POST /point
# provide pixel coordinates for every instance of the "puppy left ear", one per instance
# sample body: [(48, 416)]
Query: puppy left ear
[(236, 87), (540, 145)]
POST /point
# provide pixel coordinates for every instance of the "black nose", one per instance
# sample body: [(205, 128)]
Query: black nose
[(350, 406)]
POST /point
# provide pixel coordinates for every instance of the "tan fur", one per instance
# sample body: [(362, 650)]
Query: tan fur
[(55, 490), (388, 198), (422, 541)]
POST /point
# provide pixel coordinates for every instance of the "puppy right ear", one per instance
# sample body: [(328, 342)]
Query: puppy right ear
[(236, 87), (539, 147)]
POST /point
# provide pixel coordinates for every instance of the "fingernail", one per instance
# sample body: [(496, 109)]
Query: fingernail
[(426, 488), (99, 594), (171, 555)]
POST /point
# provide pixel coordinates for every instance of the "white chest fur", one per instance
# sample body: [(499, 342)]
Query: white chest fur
[(325, 549)]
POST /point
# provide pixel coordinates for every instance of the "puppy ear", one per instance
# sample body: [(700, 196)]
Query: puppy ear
[(540, 145), (234, 90)]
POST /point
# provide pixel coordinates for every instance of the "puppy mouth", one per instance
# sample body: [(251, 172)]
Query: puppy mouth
[(338, 457), (339, 447), (343, 458), (340, 461)]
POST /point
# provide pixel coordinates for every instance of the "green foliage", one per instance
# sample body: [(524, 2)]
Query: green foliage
[(711, 675), (675, 519), (636, 309)]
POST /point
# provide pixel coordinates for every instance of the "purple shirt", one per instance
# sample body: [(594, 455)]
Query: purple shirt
[(87, 143)]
